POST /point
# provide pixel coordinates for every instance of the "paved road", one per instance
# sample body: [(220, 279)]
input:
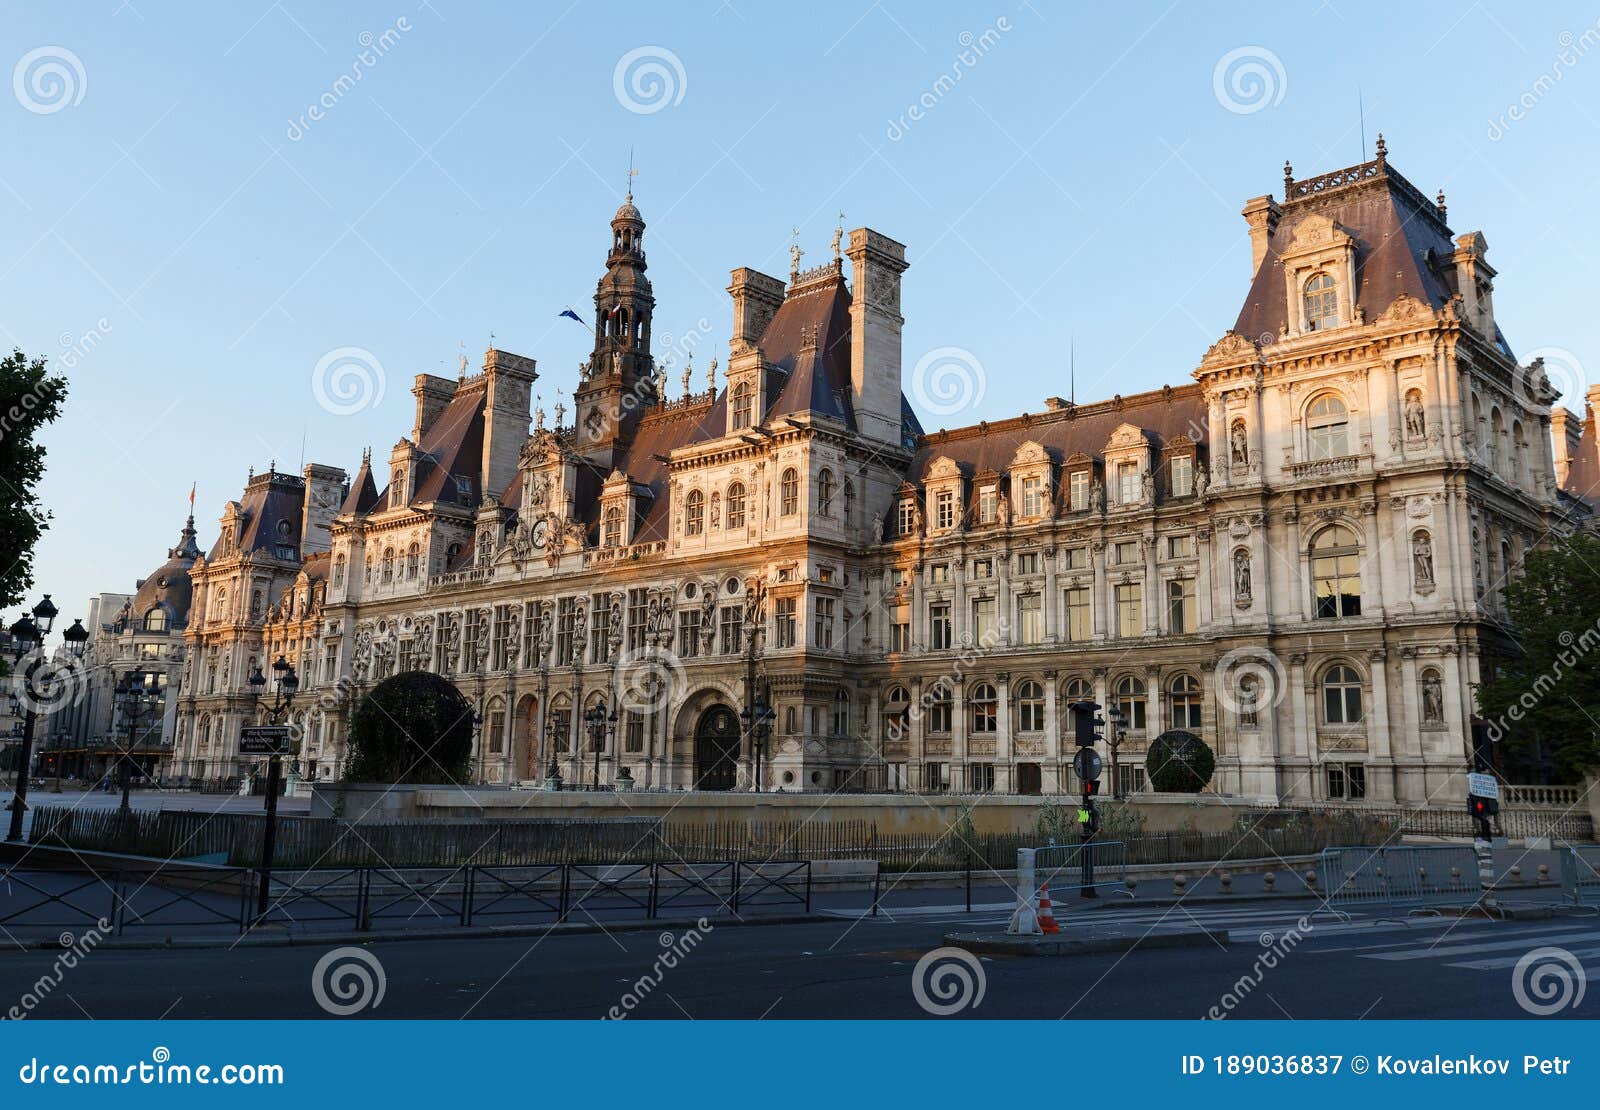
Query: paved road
[(856, 967)]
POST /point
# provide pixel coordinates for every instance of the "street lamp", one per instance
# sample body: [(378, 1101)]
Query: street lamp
[(601, 725), (27, 636), (138, 692), (77, 638), (288, 684), (1116, 720), (757, 721)]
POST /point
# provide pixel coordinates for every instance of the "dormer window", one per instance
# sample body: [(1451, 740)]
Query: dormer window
[(1328, 427), (1321, 302), (613, 527), (1128, 489), (905, 519), (740, 406), (988, 505), (944, 509), (1078, 490), (1182, 474), (1032, 497)]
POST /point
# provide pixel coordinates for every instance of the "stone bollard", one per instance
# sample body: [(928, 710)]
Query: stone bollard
[(1227, 882), (1133, 886), (1455, 876), (1516, 873), (1311, 880), (1269, 880), (1544, 872), (1178, 885)]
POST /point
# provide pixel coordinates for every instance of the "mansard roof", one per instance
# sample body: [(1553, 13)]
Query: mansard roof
[(363, 492), (1583, 469), (1403, 244), (269, 513), (1162, 415), (450, 453)]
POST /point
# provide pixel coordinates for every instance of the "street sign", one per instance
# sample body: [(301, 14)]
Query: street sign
[(1483, 786), (1086, 765), (264, 740)]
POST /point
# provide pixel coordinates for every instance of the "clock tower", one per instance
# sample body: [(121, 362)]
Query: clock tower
[(618, 383)]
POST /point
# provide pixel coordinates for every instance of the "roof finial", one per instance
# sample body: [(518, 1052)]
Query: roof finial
[(838, 235), (1439, 200), (1383, 149), (1288, 178), (463, 360), (632, 173), (366, 456), (538, 414), (711, 377), (688, 370), (794, 253)]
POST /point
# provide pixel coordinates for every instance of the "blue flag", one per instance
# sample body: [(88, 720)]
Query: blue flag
[(571, 315)]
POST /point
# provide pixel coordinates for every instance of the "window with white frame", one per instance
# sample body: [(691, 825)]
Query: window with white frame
[(1341, 696), (944, 509), (982, 707), (1078, 614), (1181, 469), (984, 628), (735, 503), (1327, 428), (988, 505), (1033, 497), (1078, 490), (1030, 707), (1130, 609), (694, 513), (1321, 301), (1180, 606), (1346, 781), (1129, 490), (1030, 619), (789, 492)]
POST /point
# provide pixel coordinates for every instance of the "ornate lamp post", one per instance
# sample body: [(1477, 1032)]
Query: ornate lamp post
[(757, 721), (1115, 720), (602, 724), (283, 698), (27, 636), (138, 692), (77, 638)]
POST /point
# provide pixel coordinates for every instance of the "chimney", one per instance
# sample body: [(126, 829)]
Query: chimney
[(1475, 282), (324, 494), (756, 299), (433, 394), (1566, 434), (1262, 214), (876, 262), (506, 414)]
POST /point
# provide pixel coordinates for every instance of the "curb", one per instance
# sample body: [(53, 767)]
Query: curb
[(470, 932), (1001, 944)]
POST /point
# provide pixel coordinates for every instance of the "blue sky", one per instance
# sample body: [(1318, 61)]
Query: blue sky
[(188, 244)]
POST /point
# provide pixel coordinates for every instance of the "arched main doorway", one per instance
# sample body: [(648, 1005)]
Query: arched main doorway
[(716, 749)]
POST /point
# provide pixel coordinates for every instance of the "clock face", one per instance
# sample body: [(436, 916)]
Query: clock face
[(540, 530)]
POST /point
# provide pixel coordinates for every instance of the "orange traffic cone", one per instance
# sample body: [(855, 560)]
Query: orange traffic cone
[(1047, 918)]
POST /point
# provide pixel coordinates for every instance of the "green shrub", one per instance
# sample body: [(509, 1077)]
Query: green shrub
[(1179, 762), (412, 728)]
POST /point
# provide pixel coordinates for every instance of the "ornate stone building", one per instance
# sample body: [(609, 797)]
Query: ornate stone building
[(1297, 555)]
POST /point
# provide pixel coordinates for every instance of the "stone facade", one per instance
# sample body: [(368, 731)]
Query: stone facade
[(1297, 555)]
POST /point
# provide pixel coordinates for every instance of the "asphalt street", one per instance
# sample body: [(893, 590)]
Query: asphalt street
[(855, 967)]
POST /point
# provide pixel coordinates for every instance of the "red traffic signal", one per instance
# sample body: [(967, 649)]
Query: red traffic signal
[(1091, 787)]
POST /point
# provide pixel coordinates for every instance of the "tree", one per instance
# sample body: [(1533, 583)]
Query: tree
[(30, 398), (412, 728), (1179, 762), (1545, 688)]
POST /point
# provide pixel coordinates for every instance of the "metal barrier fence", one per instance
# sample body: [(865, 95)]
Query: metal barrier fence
[(1580, 875), (1400, 877), (1062, 866), (200, 900)]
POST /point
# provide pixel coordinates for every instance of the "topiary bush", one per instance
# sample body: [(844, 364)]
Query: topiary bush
[(1179, 762), (412, 728)]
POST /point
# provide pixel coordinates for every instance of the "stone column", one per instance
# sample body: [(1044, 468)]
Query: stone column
[(1294, 758), (1097, 555), (1002, 735), (1152, 587), (958, 726), (1051, 760), (1381, 784), (1204, 603), (1052, 598)]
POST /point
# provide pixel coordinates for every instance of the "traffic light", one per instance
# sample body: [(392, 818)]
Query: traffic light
[(1091, 787), (1483, 808), (1085, 725)]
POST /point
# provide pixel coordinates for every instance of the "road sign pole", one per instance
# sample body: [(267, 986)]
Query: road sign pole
[(264, 895)]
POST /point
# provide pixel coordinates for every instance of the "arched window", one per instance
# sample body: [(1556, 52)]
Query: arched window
[(849, 502), (1321, 302), (825, 492), (1328, 427), (1077, 689), (1030, 707), (1341, 695), (1519, 453), (789, 492), (155, 620), (983, 706), (735, 506), (413, 560), (1497, 442), (1130, 702), (789, 722), (841, 712), (694, 513), (940, 708), (338, 571), (1184, 693), (740, 402), (1336, 574), (896, 714), (388, 564), (613, 528)]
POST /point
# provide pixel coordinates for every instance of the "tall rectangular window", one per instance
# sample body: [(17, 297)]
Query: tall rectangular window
[(900, 636), (823, 639), (1079, 490), (1128, 487), (1030, 619), (732, 624), (599, 629), (783, 612), (688, 644), (939, 630), (566, 622), (988, 505), (638, 618), (1180, 606), (1032, 497), (944, 509), (1130, 609), (984, 630), (1182, 475), (1079, 615)]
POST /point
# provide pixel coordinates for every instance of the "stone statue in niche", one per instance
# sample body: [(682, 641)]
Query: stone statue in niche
[(1097, 496), (1241, 577), (1249, 699), (1416, 419), (1148, 485), (1239, 444), (1422, 559), (580, 631), (1432, 699), (1200, 481), (877, 527)]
